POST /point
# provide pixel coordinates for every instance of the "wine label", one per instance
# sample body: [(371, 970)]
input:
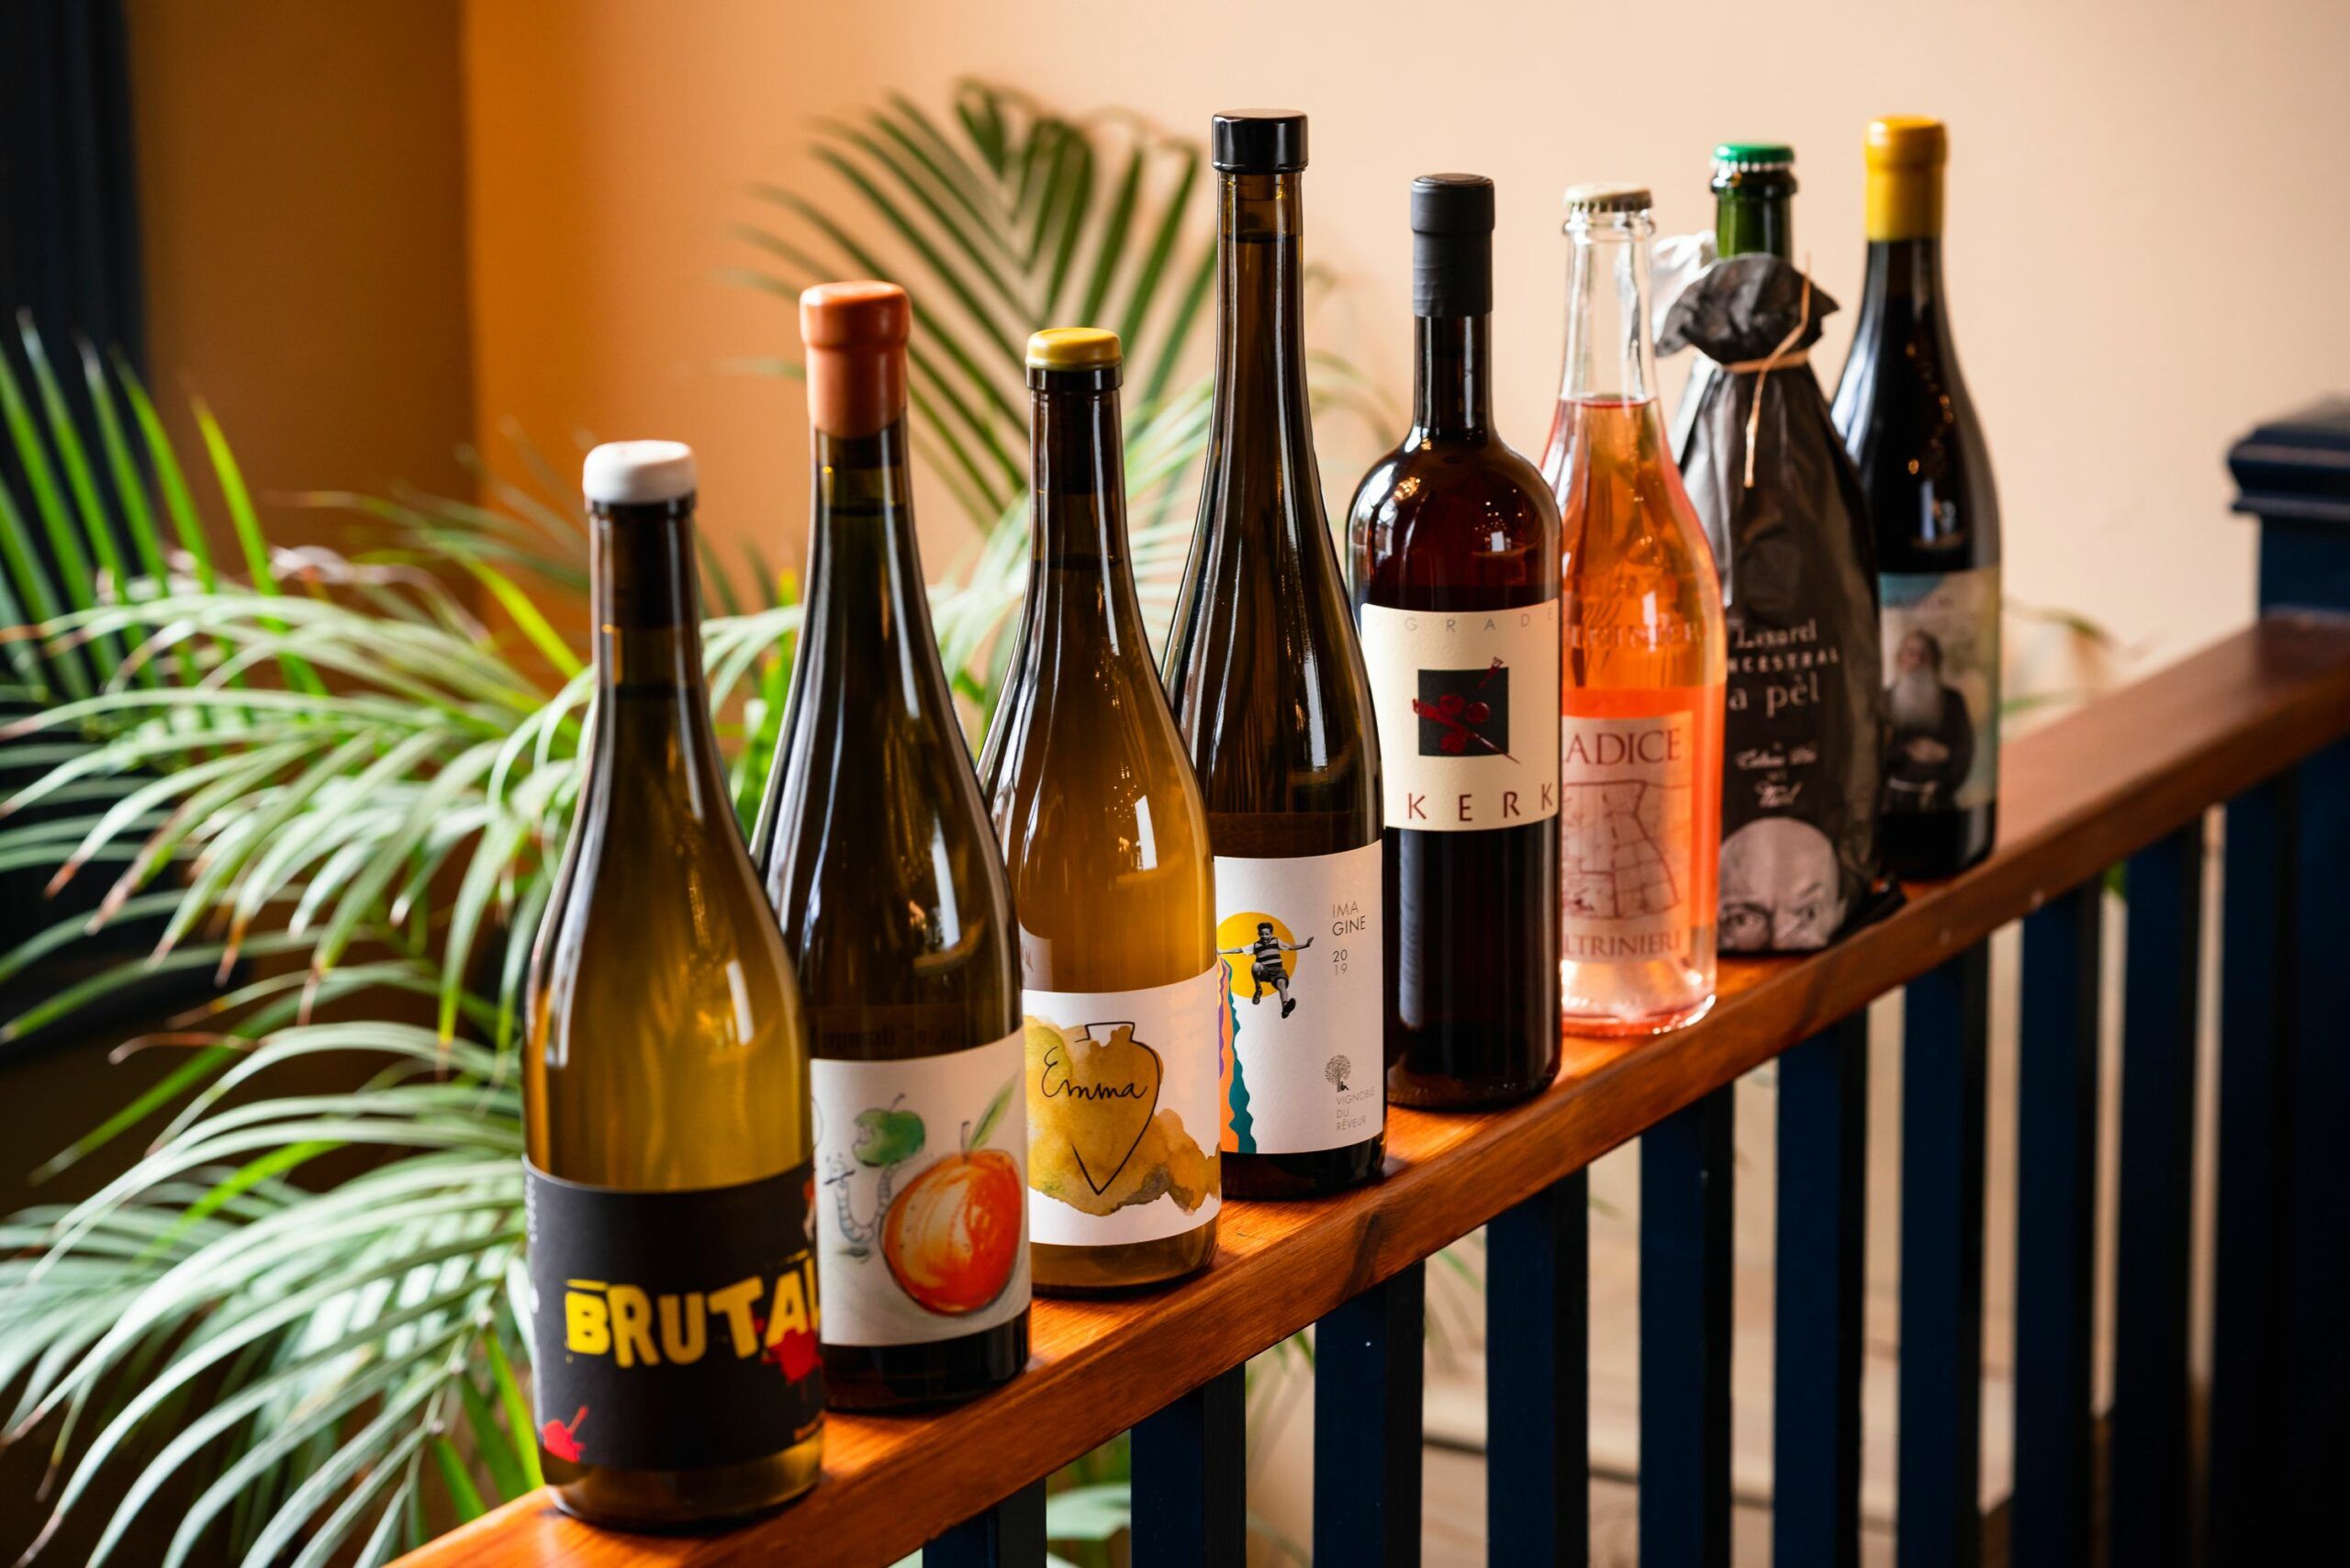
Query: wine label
[(1629, 836), (1124, 1105), (672, 1330), (1468, 708), (922, 1208), (1942, 688), (1301, 943)]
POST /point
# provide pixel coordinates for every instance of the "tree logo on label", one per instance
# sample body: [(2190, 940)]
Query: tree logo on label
[(1465, 712)]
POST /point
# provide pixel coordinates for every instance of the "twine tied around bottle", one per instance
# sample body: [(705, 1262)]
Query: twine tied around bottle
[(1777, 359)]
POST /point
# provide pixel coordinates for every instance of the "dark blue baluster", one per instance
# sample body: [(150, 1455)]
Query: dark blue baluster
[(1823, 1237), (2248, 1367), (2317, 1349), (1191, 1496), (1009, 1535), (2048, 1523), (1538, 1387), (1946, 1027), (2150, 1437), (1367, 1424), (1685, 1163)]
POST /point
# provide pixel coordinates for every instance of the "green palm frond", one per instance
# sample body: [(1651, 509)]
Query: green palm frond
[(1001, 217)]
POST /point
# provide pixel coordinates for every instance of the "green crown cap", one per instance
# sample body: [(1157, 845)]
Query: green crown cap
[(1754, 155)]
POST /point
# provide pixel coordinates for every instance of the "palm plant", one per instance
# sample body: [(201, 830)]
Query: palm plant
[(342, 793)]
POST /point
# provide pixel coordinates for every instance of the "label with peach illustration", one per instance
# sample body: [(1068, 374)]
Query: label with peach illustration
[(921, 1213), (1124, 1100), (643, 1305)]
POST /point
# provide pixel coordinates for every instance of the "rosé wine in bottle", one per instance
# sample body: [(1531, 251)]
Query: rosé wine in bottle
[(1641, 684)]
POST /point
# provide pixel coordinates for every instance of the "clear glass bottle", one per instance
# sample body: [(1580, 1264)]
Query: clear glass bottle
[(1641, 687), (669, 1178), (1105, 838), (883, 867)]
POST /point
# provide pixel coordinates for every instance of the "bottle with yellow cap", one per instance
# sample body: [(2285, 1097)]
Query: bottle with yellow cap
[(1904, 413), (880, 860), (667, 1181), (1105, 836)]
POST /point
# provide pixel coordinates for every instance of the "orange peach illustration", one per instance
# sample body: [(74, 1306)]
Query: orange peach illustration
[(953, 1236)]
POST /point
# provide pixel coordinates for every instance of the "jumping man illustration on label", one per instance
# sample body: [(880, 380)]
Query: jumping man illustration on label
[(1265, 966)]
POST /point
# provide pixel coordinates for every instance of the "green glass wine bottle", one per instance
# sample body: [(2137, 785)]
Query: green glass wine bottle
[(881, 862), (669, 1186), (1267, 684)]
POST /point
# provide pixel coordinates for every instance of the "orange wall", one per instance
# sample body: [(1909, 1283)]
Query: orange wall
[(302, 191), (2145, 226), (380, 228)]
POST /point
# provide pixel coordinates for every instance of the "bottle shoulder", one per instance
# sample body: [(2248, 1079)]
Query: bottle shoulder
[(1905, 417), (1438, 524)]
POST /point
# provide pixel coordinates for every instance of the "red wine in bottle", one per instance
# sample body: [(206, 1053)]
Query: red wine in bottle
[(884, 868), (1904, 413), (1269, 689), (1453, 549)]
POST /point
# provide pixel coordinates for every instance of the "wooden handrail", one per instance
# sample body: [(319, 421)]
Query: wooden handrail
[(2077, 797)]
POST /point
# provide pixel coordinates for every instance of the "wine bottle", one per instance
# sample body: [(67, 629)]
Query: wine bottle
[(1453, 550), (882, 864), (1106, 841), (1269, 692), (1754, 186), (1903, 410), (1641, 694), (669, 1182)]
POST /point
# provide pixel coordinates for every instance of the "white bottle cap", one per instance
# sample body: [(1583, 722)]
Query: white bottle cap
[(630, 472)]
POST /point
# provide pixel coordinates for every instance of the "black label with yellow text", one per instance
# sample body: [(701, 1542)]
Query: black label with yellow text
[(674, 1330)]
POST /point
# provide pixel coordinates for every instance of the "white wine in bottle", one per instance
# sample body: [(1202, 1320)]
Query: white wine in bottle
[(674, 1314), (1106, 840), (881, 861)]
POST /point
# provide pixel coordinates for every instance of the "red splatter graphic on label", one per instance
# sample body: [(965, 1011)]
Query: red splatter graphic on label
[(561, 1440)]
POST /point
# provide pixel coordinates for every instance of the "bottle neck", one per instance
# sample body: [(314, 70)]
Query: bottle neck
[(650, 699), (1902, 292), (1611, 353), (1452, 376), (866, 592), (1261, 317), (1747, 220), (1078, 561)]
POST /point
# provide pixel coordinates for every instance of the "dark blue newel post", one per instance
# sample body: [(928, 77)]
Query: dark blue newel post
[(2051, 1520), (2294, 474), (1538, 1379), (1939, 1461), (1191, 1490), (1685, 1261), (1367, 1366), (1009, 1535), (1822, 1245), (2153, 1246)]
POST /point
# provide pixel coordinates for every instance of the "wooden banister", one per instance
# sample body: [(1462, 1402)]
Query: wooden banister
[(2082, 794)]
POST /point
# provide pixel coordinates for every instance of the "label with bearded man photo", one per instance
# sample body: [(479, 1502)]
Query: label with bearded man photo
[(1941, 690)]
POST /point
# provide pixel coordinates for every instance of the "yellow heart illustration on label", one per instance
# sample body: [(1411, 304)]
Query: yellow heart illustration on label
[(1098, 1091)]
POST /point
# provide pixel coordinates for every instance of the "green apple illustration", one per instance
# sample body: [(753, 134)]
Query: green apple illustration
[(887, 1136)]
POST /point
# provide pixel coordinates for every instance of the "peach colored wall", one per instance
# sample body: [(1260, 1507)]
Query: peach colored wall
[(2146, 224), (302, 195)]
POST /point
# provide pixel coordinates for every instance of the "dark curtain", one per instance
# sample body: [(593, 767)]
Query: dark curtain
[(69, 263), (69, 190)]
